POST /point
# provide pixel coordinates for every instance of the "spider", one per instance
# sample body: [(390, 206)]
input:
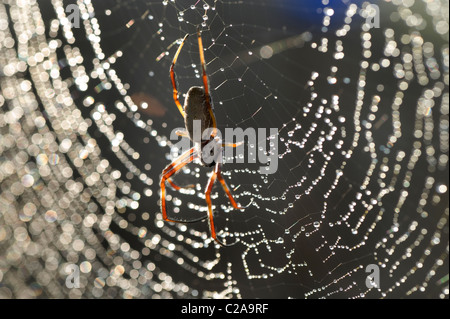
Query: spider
[(197, 106)]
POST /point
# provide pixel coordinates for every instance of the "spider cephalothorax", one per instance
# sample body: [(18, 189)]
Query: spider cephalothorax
[(196, 109)]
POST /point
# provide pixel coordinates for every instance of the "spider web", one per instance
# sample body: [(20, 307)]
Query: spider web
[(362, 178)]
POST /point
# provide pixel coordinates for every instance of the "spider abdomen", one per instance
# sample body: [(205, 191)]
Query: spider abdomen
[(196, 108)]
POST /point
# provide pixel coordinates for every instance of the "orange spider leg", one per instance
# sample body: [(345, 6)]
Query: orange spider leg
[(232, 144), (182, 133), (178, 160), (224, 184), (226, 189), (216, 174), (205, 82), (176, 187), (170, 170), (209, 187), (174, 81)]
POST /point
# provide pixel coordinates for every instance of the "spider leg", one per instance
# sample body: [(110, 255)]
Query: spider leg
[(227, 190), (202, 60), (170, 170), (176, 187), (205, 81), (178, 160), (209, 187), (174, 81), (182, 133), (234, 145)]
